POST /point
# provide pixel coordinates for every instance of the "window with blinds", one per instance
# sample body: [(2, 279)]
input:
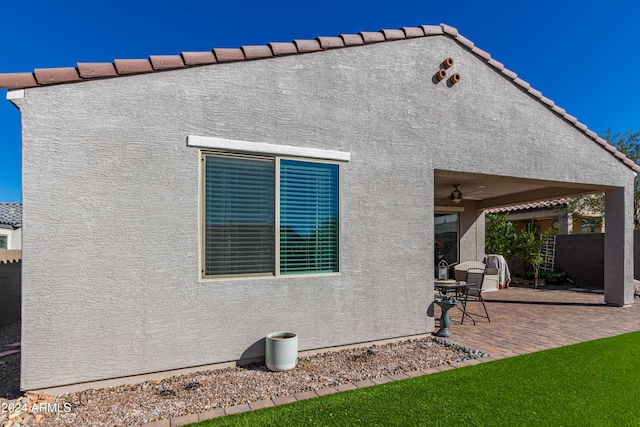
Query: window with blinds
[(240, 225), (308, 217), (239, 216)]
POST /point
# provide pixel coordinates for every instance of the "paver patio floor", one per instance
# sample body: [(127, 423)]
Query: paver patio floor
[(525, 320)]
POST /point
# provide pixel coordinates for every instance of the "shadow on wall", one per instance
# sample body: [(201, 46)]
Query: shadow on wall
[(253, 354), (431, 310)]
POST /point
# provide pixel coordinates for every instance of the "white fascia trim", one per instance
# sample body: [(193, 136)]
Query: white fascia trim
[(15, 94), (263, 148)]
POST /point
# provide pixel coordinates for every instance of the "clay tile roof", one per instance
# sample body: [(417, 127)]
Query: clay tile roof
[(570, 118), (228, 55), (412, 32), (352, 39), (330, 42), (393, 34), (496, 64), (132, 66), (372, 37), (601, 141), (256, 52), (89, 70), (11, 214), (158, 63), (286, 48), (529, 206), (305, 46), (481, 53), (47, 76), (198, 58), (432, 30), (166, 62), (17, 80), (449, 30)]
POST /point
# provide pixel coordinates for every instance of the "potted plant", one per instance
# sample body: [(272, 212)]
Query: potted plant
[(281, 351)]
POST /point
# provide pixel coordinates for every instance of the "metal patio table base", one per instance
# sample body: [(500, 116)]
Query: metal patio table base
[(445, 302)]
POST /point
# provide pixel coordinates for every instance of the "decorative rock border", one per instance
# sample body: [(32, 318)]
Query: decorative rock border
[(471, 357)]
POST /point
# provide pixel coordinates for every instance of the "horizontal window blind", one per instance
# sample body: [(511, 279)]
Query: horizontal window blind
[(308, 217), (239, 216)]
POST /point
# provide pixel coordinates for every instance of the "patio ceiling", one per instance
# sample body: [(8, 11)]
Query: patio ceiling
[(492, 191)]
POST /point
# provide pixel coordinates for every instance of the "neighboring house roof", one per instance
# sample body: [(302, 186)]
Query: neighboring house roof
[(11, 214), (529, 206), (156, 63)]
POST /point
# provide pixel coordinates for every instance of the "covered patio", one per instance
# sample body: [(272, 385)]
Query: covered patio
[(525, 320), (467, 195)]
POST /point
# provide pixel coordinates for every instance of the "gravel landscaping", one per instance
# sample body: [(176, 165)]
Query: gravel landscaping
[(135, 404)]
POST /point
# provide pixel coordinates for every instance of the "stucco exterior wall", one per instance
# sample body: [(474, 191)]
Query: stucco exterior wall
[(107, 163)]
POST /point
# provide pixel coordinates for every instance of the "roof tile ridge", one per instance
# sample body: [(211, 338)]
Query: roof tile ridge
[(535, 93), (307, 46), (433, 30), (412, 32), (609, 147), (390, 35), (228, 54), (352, 39), (522, 83), (92, 70), (256, 51), (481, 53), (18, 80), (166, 62), (47, 76), (133, 66), (372, 36), (331, 42), (120, 67), (449, 30), (526, 86), (282, 48), (198, 58)]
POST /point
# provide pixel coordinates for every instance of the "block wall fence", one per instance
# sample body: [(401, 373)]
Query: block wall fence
[(10, 291)]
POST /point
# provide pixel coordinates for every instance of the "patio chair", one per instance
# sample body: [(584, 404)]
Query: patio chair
[(491, 278), (473, 293)]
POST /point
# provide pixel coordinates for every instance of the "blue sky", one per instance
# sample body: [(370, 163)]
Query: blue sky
[(584, 55)]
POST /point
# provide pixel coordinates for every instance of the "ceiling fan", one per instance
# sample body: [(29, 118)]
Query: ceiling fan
[(456, 194)]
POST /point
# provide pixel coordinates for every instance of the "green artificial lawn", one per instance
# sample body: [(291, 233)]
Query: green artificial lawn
[(588, 384)]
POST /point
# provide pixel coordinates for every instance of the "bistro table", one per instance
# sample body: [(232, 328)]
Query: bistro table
[(446, 302)]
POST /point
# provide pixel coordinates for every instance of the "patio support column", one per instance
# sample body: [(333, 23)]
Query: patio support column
[(618, 246), (472, 229)]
